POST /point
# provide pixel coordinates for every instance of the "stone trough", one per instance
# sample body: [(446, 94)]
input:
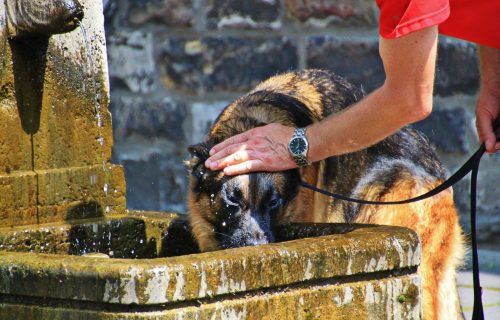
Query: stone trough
[(69, 249), (155, 272)]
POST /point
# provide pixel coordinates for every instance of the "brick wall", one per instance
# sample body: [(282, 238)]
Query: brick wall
[(174, 64)]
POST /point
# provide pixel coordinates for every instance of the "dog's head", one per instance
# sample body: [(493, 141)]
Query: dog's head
[(236, 211)]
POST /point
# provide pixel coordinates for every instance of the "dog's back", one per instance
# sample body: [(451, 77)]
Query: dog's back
[(399, 167)]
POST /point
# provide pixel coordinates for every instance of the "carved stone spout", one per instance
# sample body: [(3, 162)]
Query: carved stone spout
[(32, 18)]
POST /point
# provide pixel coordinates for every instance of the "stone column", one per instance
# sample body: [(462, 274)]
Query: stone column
[(55, 128)]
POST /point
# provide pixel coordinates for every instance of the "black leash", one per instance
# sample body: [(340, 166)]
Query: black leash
[(472, 165)]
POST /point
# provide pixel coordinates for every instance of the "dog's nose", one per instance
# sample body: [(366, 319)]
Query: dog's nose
[(259, 238)]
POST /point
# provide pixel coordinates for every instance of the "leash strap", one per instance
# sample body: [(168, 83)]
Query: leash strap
[(477, 311), (471, 165), (457, 176)]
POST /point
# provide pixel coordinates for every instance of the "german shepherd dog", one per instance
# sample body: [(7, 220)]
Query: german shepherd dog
[(235, 211)]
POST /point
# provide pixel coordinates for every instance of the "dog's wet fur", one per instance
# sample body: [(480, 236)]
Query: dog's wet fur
[(228, 212)]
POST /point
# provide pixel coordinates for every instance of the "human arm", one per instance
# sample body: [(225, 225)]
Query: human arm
[(405, 97), (488, 103)]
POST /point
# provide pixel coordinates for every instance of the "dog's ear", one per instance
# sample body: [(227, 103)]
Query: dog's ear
[(200, 150), (199, 153)]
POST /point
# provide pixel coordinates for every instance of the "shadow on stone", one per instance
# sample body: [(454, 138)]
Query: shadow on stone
[(85, 210), (294, 231), (28, 62), (178, 240), (121, 238)]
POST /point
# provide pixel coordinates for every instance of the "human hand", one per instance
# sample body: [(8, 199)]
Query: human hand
[(259, 149), (488, 120)]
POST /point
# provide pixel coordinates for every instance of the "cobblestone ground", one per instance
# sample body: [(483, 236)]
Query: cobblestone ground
[(490, 282)]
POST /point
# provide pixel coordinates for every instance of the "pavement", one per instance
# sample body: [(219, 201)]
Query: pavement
[(489, 266)]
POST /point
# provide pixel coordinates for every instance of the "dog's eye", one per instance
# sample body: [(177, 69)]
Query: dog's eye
[(234, 198), (274, 203), (232, 201)]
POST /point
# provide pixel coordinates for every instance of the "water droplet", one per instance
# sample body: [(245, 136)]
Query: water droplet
[(223, 223)]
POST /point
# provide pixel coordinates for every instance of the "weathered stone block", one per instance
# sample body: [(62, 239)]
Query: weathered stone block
[(171, 13), (131, 61), (150, 118), (355, 59), (72, 133), (457, 68), (338, 12), (80, 192), (16, 152), (18, 198), (224, 63), (249, 14), (446, 129)]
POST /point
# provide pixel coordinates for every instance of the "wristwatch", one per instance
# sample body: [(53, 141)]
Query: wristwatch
[(298, 147)]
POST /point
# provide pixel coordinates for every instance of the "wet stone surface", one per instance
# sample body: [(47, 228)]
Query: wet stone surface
[(125, 237), (194, 276), (280, 279)]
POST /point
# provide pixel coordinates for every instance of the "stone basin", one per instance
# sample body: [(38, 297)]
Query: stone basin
[(49, 272)]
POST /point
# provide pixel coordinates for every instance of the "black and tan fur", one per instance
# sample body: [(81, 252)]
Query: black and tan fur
[(237, 211)]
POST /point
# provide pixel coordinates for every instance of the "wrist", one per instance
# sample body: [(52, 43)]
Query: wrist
[(319, 144), (489, 64)]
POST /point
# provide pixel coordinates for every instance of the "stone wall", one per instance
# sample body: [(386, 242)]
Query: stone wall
[(174, 64)]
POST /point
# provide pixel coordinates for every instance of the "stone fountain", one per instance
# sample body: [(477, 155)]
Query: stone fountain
[(69, 249)]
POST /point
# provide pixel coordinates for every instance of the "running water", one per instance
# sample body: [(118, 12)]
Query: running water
[(97, 109), (92, 76)]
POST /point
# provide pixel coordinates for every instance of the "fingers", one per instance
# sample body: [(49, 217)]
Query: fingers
[(259, 149), (231, 155), (237, 139), (244, 167), (486, 132)]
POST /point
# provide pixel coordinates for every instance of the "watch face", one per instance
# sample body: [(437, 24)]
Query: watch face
[(298, 145)]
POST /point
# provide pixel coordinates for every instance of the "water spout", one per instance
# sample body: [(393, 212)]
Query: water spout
[(34, 18)]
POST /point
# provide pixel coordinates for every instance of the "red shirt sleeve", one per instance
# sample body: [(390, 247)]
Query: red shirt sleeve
[(471, 20), (400, 17), (475, 21)]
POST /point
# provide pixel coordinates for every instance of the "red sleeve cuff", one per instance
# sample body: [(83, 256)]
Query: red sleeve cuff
[(413, 17)]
